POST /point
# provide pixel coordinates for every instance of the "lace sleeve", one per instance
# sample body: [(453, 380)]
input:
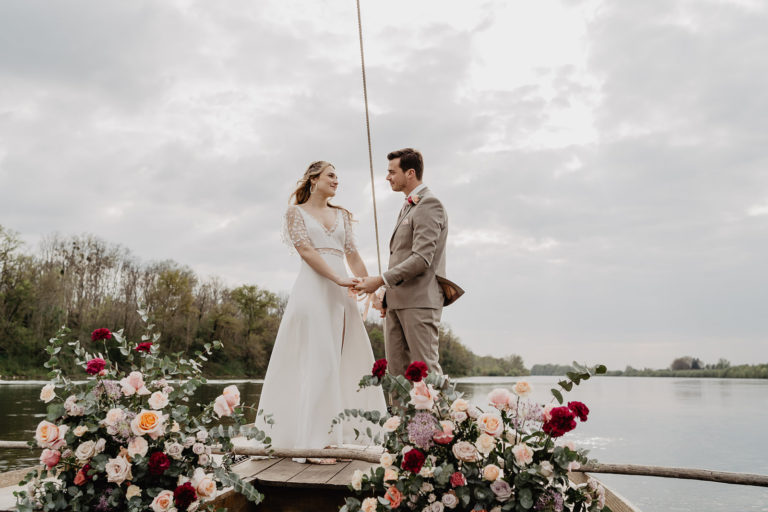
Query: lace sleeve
[(295, 234), (350, 245)]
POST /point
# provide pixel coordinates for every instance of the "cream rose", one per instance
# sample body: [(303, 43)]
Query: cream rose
[(546, 469), (173, 450), (113, 417), (163, 502), (427, 471), (369, 505), (202, 435), (523, 454), (147, 422), (459, 405), (46, 434), (118, 470), (48, 393), (391, 424), (85, 451), (522, 389), (357, 480), (490, 423), (80, 430), (158, 400), (137, 446), (492, 472), (466, 452), (204, 484), (175, 427), (132, 491), (390, 475), (485, 444), (232, 395), (386, 459), (198, 448), (423, 395), (450, 500), (100, 445)]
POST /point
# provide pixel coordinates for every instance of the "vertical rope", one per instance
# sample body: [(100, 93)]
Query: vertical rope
[(368, 130)]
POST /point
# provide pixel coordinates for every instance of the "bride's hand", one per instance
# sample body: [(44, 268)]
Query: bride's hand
[(347, 282)]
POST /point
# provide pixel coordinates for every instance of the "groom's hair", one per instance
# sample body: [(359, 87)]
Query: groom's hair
[(409, 159)]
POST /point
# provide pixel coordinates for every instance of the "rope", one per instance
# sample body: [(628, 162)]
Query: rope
[(368, 130)]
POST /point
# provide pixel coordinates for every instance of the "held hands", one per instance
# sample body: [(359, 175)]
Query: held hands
[(347, 282), (369, 284)]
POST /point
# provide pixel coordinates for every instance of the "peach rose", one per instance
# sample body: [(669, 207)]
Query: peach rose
[(523, 454), (459, 405), (50, 458), (232, 395), (423, 395), (132, 491), (492, 472), (204, 484), (163, 502), (485, 443), (48, 393), (368, 505), (147, 422), (391, 424), (490, 423), (46, 434), (499, 398), (80, 430), (390, 475), (393, 496), (522, 389), (387, 459)]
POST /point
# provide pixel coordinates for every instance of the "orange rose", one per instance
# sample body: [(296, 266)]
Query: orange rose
[(148, 422), (46, 434), (393, 496)]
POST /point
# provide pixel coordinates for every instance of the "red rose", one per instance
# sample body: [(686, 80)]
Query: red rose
[(458, 479), (158, 463), (379, 368), (416, 371), (562, 421), (143, 347), (579, 409), (101, 334), (184, 495), (442, 437), (94, 366), (413, 460), (82, 476)]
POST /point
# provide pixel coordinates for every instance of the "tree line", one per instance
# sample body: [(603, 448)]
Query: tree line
[(85, 283)]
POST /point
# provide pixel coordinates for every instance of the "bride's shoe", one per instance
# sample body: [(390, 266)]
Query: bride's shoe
[(300, 460)]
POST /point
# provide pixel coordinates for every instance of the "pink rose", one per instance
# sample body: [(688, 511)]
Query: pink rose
[(221, 407), (423, 396), (499, 398), (232, 395), (50, 458)]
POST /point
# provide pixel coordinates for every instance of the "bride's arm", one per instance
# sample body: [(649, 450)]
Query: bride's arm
[(356, 264), (318, 264)]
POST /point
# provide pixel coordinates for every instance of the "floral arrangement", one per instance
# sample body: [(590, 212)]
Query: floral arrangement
[(444, 454), (128, 439)]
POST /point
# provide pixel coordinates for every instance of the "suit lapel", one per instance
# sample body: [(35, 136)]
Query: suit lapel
[(404, 213)]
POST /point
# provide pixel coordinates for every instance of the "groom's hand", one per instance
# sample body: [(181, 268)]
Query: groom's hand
[(369, 284)]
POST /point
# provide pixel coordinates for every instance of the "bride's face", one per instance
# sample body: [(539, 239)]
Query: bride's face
[(327, 182)]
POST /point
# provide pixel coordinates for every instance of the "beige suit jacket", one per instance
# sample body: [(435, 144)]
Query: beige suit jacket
[(417, 255)]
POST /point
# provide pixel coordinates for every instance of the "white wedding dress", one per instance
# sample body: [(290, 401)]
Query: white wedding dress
[(322, 348)]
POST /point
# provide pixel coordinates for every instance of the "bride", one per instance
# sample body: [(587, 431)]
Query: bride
[(322, 348)]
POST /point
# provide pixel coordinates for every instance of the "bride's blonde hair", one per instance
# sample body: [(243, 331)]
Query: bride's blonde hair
[(304, 185)]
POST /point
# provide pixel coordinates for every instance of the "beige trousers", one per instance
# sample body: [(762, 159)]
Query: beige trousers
[(411, 335)]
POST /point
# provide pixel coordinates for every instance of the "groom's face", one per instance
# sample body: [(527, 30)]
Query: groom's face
[(395, 176)]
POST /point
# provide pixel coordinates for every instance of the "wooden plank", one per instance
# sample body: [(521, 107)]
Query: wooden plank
[(614, 501), (319, 473), (248, 469), (281, 472), (343, 477)]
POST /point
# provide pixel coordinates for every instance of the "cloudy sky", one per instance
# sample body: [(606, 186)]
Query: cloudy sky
[(604, 163)]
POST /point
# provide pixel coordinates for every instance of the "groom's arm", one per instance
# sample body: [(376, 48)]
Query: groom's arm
[(428, 221)]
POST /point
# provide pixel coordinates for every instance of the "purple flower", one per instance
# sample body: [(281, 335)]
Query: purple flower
[(421, 429), (502, 490), (550, 500)]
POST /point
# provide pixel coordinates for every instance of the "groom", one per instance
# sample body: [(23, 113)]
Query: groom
[(416, 289)]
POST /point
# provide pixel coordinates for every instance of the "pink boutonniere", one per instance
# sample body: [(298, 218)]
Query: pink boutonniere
[(414, 200)]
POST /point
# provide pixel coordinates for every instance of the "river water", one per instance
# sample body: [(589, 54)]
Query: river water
[(718, 424)]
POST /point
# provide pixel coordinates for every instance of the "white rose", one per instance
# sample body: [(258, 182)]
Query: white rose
[(173, 450), (48, 393), (459, 416), (485, 443), (450, 500), (113, 417), (132, 491), (387, 459), (474, 412), (137, 446), (459, 405), (198, 448), (426, 487), (204, 459), (118, 470), (465, 451), (391, 424), (163, 502), (80, 430), (427, 471), (546, 469), (357, 480), (193, 506), (158, 400), (202, 435), (175, 427), (204, 484), (437, 506), (100, 445), (369, 505), (189, 441), (85, 451)]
